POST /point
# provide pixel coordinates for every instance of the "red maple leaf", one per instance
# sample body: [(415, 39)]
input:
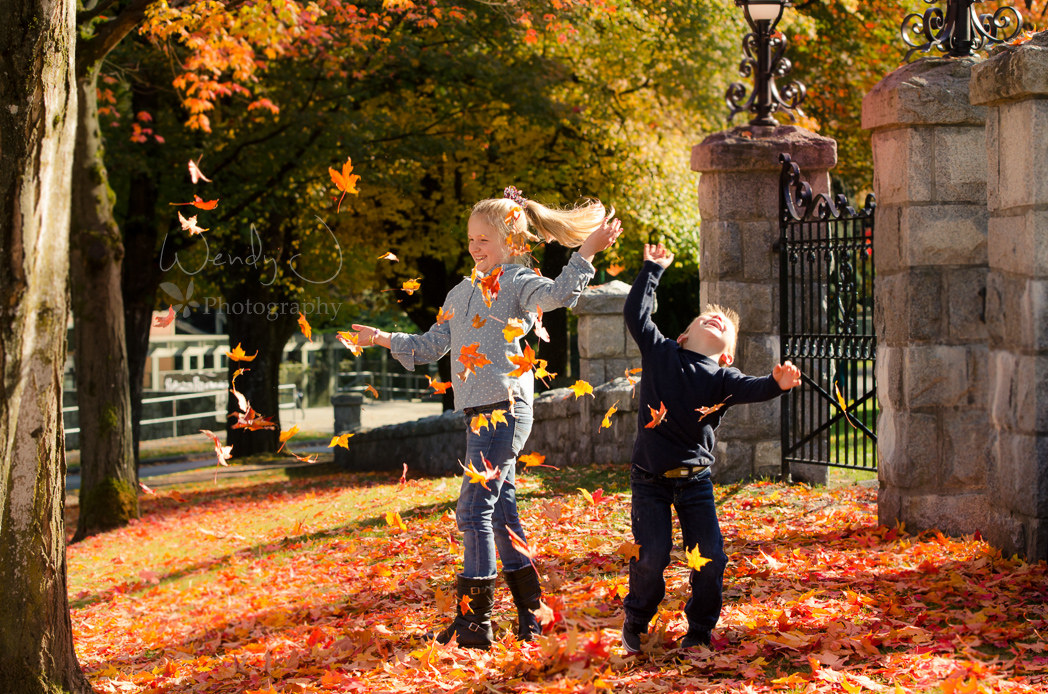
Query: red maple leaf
[(472, 360), (656, 416)]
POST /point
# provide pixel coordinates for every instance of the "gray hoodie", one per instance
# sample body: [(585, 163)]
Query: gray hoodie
[(521, 291)]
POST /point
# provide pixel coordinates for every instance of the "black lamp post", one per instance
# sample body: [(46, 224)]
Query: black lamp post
[(959, 31), (766, 60)]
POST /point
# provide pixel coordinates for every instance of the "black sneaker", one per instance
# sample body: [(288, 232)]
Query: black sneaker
[(630, 639), (694, 639)]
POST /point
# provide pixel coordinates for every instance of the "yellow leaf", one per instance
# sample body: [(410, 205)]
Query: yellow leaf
[(238, 354), (498, 417), (477, 423), (342, 440), (695, 559), (581, 388), (394, 520), (514, 329), (606, 422)]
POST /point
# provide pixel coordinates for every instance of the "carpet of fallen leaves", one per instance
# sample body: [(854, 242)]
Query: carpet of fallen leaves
[(330, 584)]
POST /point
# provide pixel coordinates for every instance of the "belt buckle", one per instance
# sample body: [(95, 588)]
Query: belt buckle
[(678, 472)]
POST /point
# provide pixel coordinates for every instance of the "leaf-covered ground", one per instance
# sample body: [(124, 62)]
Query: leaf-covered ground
[(311, 585)]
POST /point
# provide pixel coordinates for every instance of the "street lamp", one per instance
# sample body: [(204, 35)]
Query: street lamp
[(959, 31), (766, 60)]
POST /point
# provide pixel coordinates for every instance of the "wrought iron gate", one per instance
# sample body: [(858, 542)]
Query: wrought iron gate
[(826, 326)]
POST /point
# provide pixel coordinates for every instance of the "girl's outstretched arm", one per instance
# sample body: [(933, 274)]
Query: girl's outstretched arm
[(368, 336)]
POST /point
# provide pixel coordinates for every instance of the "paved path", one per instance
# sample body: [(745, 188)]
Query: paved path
[(315, 420)]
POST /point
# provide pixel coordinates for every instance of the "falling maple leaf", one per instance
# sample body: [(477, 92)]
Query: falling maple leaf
[(341, 440), (305, 327), (695, 559), (444, 317), (394, 521), (195, 174), (521, 545), (477, 423), (223, 453), (479, 322), (410, 286), (580, 388), (489, 286), (404, 475), (351, 341), (287, 434), (199, 203), (305, 458), (534, 460), (540, 371), (439, 387), (146, 489), (606, 422), (166, 320), (389, 256), (370, 390), (657, 416), (238, 354), (346, 180), (464, 605), (498, 417), (514, 329), (236, 374), (614, 269), (476, 476), (190, 225), (524, 362), (706, 411), (539, 329), (471, 360), (843, 406)]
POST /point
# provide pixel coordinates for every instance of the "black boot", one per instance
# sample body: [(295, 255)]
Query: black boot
[(527, 595), (472, 629)]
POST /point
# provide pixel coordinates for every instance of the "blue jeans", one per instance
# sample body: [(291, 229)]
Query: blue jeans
[(650, 515), (485, 516)]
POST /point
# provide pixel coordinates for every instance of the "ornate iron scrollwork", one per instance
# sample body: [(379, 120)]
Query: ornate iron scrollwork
[(765, 60), (959, 30)]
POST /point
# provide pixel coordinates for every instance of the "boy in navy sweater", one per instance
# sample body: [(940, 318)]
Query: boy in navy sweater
[(686, 385)]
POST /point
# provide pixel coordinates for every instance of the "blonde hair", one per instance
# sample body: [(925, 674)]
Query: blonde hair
[(731, 315), (568, 227)]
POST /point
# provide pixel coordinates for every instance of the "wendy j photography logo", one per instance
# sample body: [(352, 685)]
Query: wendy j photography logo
[(257, 258)]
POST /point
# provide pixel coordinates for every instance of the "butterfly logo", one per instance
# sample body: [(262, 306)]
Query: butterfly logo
[(180, 302)]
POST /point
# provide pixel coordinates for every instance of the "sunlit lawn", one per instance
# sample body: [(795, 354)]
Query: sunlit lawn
[(309, 585)]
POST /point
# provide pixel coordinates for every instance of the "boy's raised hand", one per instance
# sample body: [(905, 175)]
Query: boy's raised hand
[(657, 253), (786, 375)]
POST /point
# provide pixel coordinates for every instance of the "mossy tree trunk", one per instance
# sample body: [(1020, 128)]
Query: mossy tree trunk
[(108, 479), (37, 118)]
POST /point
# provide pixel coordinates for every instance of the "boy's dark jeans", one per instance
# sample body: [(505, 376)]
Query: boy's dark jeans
[(654, 497)]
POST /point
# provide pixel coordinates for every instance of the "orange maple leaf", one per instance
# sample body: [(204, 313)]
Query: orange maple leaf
[(481, 477), (464, 605), (514, 329), (370, 390), (472, 360), (223, 453), (199, 203), (238, 354), (521, 545), (394, 521), (580, 388), (656, 416), (477, 423), (479, 322), (443, 317), (614, 269), (489, 286), (389, 256), (498, 417), (524, 362), (305, 327), (410, 286), (439, 387), (346, 181), (351, 341), (164, 321), (606, 422), (342, 440), (705, 411), (629, 550), (287, 434), (534, 460)]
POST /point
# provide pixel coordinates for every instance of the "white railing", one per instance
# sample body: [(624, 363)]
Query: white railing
[(218, 411)]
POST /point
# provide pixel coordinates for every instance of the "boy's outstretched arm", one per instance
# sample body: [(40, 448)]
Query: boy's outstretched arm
[(641, 300), (786, 375)]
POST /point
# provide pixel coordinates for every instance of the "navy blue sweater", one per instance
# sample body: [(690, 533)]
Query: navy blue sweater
[(681, 380)]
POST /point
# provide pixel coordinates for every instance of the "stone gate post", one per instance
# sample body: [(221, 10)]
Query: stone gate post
[(929, 156), (739, 269), (1014, 86)]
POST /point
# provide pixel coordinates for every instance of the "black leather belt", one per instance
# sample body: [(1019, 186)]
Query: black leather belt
[(686, 471), (485, 409)]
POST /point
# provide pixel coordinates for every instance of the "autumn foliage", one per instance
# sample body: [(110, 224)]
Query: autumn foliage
[(330, 584)]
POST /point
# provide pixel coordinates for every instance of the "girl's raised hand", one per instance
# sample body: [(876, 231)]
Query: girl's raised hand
[(658, 254), (601, 239)]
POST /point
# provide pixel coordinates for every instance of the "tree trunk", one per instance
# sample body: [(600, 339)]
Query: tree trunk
[(142, 273), (37, 119), (251, 328), (108, 486)]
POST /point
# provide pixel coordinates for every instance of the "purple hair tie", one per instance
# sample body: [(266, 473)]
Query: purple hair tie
[(514, 194)]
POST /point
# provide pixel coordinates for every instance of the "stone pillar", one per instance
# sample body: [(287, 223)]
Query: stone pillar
[(606, 349), (929, 158), (1014, 86), (739, 269)]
